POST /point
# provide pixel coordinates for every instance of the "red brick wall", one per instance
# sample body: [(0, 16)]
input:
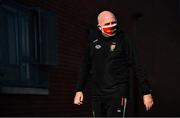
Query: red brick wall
[(157, 37), (74, 18)]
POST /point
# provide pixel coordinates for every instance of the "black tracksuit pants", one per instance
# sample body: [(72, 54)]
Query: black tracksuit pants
[(109, 106)]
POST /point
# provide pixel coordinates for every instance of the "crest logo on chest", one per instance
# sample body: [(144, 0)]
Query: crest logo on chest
[(112, 46)]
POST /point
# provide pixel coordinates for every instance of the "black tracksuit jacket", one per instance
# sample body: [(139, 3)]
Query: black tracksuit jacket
[(106, 64)]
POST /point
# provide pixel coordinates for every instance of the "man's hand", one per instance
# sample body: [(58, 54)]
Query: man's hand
[(148, 101), (78, 99)]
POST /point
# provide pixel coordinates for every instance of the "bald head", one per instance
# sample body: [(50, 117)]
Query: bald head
[(107, 23), (105, 17)]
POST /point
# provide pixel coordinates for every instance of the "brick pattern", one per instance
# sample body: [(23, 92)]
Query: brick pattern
[(158, 38), (74, 18)]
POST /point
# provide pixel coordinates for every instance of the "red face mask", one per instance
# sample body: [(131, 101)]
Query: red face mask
[(109, 30)]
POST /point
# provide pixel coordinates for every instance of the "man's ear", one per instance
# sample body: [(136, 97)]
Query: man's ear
[(99, 27)]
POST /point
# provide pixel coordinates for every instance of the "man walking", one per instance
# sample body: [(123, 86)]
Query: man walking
[(106, 64)]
